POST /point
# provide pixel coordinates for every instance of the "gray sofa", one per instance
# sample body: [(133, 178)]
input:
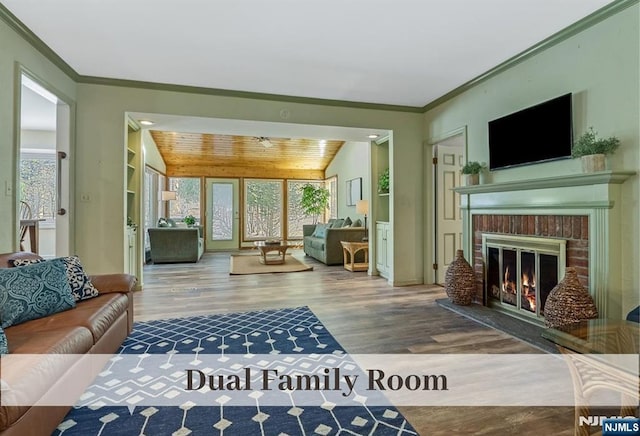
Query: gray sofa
[(327, 249), (176, 244)]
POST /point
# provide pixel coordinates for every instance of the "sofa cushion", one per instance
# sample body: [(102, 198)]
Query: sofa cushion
[(357, 223), (338, 224), (41, 360), (347, 222), (96, 315), (28, 338), (316, 243), (34, 291), (4, 349), (81, 286), (320, 230)]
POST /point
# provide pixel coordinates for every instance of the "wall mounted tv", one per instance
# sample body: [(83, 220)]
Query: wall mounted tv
[(538, 133)]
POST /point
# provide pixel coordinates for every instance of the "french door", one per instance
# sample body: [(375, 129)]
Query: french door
[(222, 214)]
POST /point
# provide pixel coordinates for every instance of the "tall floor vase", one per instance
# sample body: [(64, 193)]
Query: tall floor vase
[(460, 281), (569, 302)]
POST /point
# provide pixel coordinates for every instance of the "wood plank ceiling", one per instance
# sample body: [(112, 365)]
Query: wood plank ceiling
[(212, 155)]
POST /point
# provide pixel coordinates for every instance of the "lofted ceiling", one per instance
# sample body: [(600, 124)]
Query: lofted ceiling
[(406, 53), (213, 155)]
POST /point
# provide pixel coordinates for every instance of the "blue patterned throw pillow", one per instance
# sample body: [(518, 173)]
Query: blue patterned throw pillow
[(4, 347), (34, 291), (81, 285)]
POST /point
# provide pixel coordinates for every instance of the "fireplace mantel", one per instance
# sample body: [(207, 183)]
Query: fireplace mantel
[(595, 196), (604, 177)]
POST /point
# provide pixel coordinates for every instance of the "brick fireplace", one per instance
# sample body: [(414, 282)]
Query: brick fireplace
[(581, 209), (572, 228)]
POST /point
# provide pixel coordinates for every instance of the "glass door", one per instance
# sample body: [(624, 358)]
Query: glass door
[(222, 217)]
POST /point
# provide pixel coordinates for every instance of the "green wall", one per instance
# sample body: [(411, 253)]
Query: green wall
[(15, 51), (100, 137), (350, 162), (600, 66)]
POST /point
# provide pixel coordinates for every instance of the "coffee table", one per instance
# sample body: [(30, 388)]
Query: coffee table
[(264, 248)]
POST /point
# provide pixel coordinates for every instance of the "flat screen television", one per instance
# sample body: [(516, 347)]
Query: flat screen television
[(538, 133)]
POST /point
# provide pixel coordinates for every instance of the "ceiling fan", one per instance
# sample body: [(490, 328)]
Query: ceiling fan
[(264, 141)]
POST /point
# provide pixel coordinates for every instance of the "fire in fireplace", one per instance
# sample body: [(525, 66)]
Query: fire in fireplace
[(521, 271)]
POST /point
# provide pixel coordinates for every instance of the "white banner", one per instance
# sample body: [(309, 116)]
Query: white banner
[(319, 380)]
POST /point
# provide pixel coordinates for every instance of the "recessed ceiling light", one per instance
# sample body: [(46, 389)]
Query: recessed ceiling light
[(373, 136), (323, 142), (147, 122)]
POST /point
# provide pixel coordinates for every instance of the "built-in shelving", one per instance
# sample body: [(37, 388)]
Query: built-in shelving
[(134, 171)]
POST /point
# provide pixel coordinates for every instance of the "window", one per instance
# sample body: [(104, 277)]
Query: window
[(295, 215), (38, 183), (187, 200), (263, 209)]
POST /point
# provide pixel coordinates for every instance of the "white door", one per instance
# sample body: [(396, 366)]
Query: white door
[(45, 168), (222, 215), (450, 158)]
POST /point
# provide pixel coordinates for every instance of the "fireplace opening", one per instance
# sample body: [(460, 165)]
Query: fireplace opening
[(522, 271)]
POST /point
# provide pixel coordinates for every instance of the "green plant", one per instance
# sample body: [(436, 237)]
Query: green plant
[(473, 167), (383, 181), (314, 201), (189, 220), (589, 143)]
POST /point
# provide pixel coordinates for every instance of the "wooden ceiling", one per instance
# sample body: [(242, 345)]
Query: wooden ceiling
[(210, 155)]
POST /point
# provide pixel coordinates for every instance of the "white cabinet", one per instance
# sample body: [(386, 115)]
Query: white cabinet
[(383, 248)]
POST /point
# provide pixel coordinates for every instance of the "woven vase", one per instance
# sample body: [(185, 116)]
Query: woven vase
[(569, 302), (460, 281)]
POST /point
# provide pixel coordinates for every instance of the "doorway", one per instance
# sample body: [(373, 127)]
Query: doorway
[(44, 170), (448, 156), (222, 200)]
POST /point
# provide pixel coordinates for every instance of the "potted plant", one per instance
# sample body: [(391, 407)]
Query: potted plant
[(189, 220), (383, 182), (472, 170), (314, 201), (592, 150)]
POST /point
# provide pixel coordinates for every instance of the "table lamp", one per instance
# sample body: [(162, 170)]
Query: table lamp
[(362, 207)]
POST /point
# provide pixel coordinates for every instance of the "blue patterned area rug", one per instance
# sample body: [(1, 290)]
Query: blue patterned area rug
[(283, 331)]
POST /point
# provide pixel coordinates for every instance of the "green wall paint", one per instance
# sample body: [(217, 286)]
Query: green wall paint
[(600, 66), (100, 138), (15, 51), (350, 162)]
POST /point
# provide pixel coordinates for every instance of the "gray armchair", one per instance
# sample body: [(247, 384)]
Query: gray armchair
[(176, 244)]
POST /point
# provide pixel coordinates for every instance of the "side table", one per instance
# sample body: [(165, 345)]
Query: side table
[(349, 250), (591, 348)]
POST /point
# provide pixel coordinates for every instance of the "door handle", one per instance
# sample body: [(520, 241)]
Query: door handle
[(61, 210)]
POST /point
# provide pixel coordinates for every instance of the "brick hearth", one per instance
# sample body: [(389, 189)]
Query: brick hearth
[(573, 228)]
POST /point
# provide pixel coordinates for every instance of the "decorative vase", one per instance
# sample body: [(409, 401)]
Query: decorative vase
[(460, 281), (472, 179), (569, 302), (593, 163)]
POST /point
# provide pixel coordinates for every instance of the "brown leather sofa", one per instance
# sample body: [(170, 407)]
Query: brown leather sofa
[(98, 325)]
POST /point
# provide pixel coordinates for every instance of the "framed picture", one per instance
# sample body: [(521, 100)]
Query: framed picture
[(354, 191)]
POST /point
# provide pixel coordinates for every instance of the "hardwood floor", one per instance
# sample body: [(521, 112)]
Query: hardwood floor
[(365, 315)]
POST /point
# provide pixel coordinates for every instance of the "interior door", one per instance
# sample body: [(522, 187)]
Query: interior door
[(450, 158), (45, 167), (222, 214)]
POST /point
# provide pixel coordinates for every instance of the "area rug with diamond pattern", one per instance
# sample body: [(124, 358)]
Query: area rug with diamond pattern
[(295, 331)]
